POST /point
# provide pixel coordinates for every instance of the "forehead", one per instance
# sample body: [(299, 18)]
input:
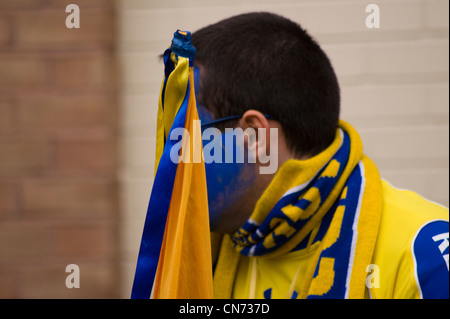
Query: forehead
[(203, 113), (197, 72)]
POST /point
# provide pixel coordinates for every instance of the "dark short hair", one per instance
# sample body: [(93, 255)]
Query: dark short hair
[(266, 62)]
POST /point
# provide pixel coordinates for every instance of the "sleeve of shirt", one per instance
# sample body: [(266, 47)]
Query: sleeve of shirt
[(430, 260)]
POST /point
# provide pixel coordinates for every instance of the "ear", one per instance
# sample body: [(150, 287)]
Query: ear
[(260, 142)]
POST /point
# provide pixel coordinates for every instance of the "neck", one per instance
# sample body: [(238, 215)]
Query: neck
[(236, 215)]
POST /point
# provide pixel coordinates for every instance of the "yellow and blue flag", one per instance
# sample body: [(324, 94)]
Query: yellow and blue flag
[(175, 254)]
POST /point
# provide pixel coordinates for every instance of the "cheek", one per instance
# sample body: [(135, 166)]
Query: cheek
[(227, 183)]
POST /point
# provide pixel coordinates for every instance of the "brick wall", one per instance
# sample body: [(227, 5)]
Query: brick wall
[(58, 140), (394, 87)]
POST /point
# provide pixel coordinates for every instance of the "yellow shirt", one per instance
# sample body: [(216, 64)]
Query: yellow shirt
[(410, 258)]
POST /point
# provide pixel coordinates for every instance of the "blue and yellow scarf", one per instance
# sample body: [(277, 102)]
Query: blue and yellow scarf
[(340, 185)]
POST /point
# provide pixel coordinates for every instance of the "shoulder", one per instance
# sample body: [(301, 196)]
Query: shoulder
[(408, 202), (407, 250)]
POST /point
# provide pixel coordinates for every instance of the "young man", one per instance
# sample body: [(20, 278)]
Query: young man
[(323, 224)]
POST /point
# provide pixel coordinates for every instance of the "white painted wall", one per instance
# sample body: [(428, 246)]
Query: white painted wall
[(394, 84)]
